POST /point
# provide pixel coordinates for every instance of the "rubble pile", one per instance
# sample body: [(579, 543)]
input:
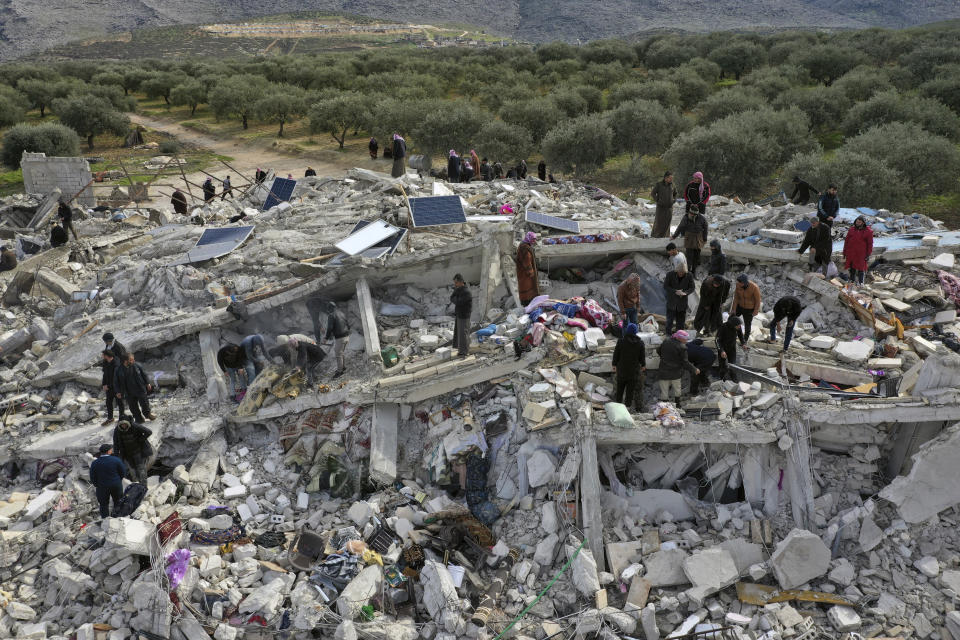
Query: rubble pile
[(497, 494)]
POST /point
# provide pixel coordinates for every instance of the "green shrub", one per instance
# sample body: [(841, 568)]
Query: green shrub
[(51, 138)]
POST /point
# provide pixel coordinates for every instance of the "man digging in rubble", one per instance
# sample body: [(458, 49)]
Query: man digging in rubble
[(729, 335), (58, 235), (677, 287), (629, 363), (693, 228), (819, 238), (673, 361), (299, 350), (333, 328), (713, 296), (132, 445), (462, 302), (664, 194), (789, 308), (65, 213), (702, 358), (628, 299), (110, 364), (747, 302), (132, 385), (246, 357), (106, 474)]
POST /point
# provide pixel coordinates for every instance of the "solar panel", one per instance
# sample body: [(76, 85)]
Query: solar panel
[(563, 224), (366, 237), (281, 191), (437, 210), (385, 247), (214, 243)]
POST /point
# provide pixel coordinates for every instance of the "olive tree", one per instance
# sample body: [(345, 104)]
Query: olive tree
[(285, 103), (236, 96), (580, 145), (51, 138), (644, 127), (339, 114), (90, 116), (503, 141)]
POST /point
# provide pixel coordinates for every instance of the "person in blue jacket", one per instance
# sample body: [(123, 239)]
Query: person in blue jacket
[(106, 474)]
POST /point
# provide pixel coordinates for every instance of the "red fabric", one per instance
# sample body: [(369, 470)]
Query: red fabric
[(857, 248)]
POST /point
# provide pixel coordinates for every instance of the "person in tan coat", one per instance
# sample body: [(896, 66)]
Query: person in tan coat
[(693, 228), (628, 299), (747, 301)]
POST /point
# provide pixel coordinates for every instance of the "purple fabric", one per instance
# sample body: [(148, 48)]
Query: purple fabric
[(177, 563)]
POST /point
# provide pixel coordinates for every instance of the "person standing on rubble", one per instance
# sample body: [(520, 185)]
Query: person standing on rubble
[(747, 302), (335, 329), (677, 287), (209, 191), (522, 169), (713, 296), (8, 259), (466, 171), (801, 191), (115, 346), (131, 444), (58, 236), (486, 171), (528, 280), (133, 385), (65, 213), (729, 335), (260, 176), (673, 361), (828, 206), (789, 308), (697, 193), (542, 171), (676, 258), (299, 350), (453, 167), (179, 202), (629, 364), (702, 358), (628, 298), (820, 239), (664, 194), (857, 248), (227, 188), (693, 228), (462, 302), (399, 156), (475, 161), (718, 260), (373, 146), (106, 475), (110, 364), (310, 172)]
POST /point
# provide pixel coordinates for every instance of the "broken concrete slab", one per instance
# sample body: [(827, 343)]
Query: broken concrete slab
[(383, 442), (934, 481), (666, 568), (799, 558)]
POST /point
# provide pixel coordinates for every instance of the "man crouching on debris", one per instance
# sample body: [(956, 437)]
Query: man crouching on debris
[(299, 349), (673, 360), (462, 302)]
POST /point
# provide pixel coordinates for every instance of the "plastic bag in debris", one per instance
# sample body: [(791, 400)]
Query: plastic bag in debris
[(476, 490), (486, 332), (177, 563), (387, 309), (667, 414), (619, 415)]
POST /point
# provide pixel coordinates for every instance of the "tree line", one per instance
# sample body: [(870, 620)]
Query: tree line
[(875, 111)]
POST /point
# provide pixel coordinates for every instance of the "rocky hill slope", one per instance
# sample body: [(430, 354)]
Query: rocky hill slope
[(31, 25)]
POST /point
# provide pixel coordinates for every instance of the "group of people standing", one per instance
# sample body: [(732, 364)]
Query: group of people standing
[(664, 194), (471, 167), (857, 244)]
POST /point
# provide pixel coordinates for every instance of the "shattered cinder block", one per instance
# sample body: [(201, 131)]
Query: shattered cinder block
[(799, 558)]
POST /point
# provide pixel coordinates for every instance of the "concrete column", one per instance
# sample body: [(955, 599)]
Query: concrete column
[(368, 317), (590, 511), (217, 390), (798, 472), (383, 442), (490, 277)]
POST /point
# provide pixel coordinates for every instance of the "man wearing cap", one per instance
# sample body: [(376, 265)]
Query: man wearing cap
[(628, 298), (664, 194), (119, 351), (629, 363), (673, 361), (820, 239), (747, 301), (462, 302), (300, 350), (132, 445), (677, 287), (106, 474)]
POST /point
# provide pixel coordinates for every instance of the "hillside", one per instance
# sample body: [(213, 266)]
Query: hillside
[(30, 25)]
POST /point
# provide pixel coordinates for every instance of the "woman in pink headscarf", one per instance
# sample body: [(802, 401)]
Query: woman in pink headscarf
[(528, 282), (697, 193)]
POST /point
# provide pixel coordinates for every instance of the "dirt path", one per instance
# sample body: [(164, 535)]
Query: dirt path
[(246, 156)]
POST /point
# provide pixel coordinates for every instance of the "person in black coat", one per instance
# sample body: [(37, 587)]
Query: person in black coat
[(820, 239), (106, 475), (729, 335), (110, 364), (132, 385), (58, 236), (702, 358), (789, 308), (373, 146), (132, 445), (801, 191), (114, 345), (462, 301), (714, 291), (677, 287), (65, 213), (330, 325), (209, 191), (718, 260), (308, 355), (542, 171), (674, 359), (828, 206), (453, 167), (629, 363), (310, 172), (179, 202)]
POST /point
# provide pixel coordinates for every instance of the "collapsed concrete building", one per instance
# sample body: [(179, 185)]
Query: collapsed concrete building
[(814, 496)]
